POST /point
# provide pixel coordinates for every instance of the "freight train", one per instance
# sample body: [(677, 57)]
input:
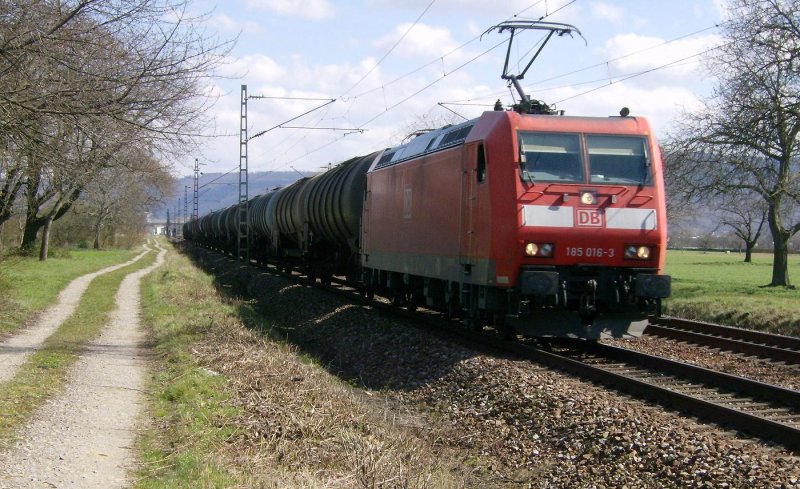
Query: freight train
[(537, 223)]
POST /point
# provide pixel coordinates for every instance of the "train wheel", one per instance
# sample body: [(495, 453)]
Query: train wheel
[(410, 301), (501, 326), (451, 310), (473, 323)]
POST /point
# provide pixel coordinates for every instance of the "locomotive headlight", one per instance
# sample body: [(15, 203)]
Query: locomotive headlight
[(637, 252), (588, 198), (534, 249)]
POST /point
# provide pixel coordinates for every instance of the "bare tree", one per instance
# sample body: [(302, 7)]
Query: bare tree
[(745, 138), (120, 192), (746, 215), (11, 180), (58, 170), (89, 69)]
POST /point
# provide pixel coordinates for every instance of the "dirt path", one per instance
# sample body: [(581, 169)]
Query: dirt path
[(16, 349), (83, 437)]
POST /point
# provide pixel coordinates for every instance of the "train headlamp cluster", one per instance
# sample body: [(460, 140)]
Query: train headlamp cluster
[(588, 198), (634, 252), (539, 249)]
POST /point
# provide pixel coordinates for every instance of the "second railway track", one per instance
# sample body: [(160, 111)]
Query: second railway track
[(759, 409), (749, 342), (764, 410)]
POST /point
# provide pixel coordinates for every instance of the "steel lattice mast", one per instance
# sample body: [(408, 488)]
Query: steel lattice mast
[(243, 242)]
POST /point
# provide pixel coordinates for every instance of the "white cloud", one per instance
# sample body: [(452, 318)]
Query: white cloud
[(607, 11), (635, 53), (308, 149), (227, 24), (423, 40), (255, 68), (661, 105), (304, 9)]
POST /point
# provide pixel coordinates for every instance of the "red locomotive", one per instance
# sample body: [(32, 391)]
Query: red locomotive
[(547, 224), (532, 221)]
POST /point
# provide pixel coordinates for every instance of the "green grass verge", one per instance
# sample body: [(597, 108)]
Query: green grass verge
[(722, 288), (193, 416), (43, 373), (28, 285)]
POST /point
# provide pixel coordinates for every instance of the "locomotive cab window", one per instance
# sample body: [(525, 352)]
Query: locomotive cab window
[(547, 157), (618, 160), (480, 169)]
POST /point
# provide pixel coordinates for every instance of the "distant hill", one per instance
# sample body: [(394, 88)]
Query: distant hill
[(218, 190)]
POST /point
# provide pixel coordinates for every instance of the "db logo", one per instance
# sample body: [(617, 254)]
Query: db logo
[(590, 217)]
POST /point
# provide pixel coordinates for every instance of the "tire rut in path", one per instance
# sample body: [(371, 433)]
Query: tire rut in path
[(83, 437), (16, 349)]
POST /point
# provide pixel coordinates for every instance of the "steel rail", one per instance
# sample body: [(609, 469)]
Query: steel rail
[(757, 343), (737, 419), (760, 390), (747, 422)]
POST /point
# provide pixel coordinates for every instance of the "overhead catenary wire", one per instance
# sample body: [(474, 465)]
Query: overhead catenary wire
[(437, 80), (261, 133), (397, 43), (219, 177), (533, 84), (644, 72), (343, 97), (605, 82), (388, 107)]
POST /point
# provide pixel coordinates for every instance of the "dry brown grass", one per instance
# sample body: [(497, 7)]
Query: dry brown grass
[(305, 428), (299, 425)]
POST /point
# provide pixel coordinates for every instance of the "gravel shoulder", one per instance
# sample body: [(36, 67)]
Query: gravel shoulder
[(83, 437)]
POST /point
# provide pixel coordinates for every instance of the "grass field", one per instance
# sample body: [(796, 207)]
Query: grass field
[(28, 285), (720, 287)]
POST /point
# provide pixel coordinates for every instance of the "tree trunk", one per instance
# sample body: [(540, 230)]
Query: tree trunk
[(748, 253), (45, 239), (96, 237), (780, 250), (102, 214), (780, 263), (2, 226), (32, 227)]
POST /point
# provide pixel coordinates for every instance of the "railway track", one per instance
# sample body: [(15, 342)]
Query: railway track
[(762, 410), (765, 411), (749, 342)]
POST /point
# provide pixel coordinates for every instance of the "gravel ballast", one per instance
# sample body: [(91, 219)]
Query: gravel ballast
[(518, 423)]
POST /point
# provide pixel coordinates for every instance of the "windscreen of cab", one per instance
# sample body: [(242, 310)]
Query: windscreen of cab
[(584, 158)]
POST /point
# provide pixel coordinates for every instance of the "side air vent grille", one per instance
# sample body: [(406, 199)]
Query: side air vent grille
[(385, 160), (455, 136), (424, 144)]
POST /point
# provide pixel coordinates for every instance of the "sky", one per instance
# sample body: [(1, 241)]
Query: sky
[(395, 66)]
